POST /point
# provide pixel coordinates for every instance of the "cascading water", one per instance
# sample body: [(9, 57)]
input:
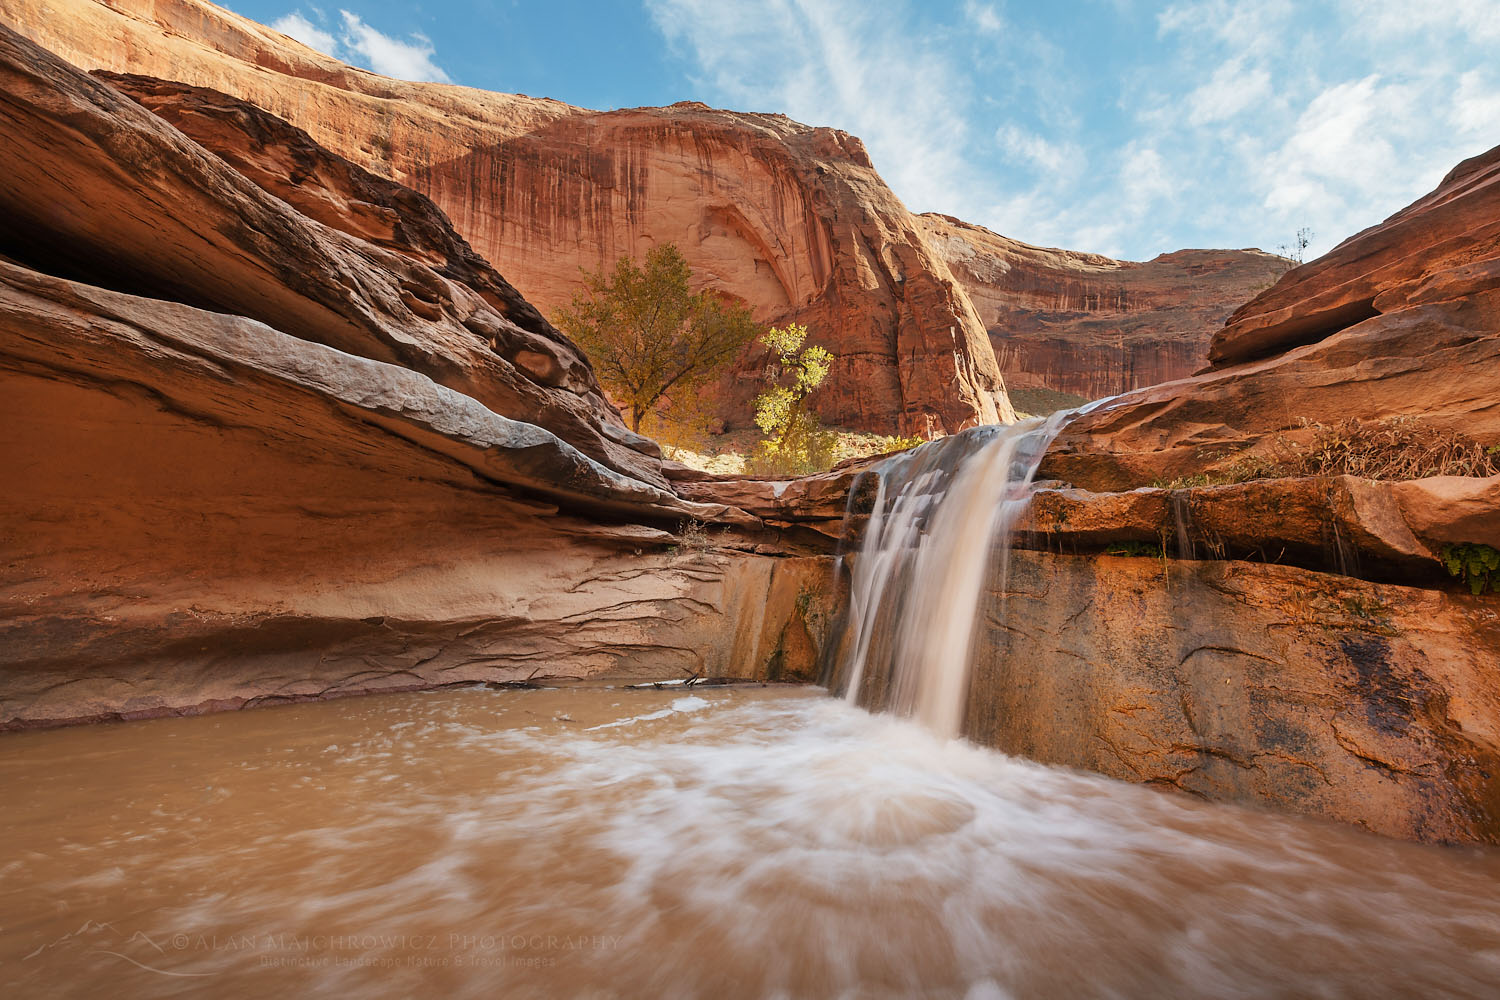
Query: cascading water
[(942, 517)]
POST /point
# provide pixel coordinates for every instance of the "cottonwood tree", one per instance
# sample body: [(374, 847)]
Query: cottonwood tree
[(649, 336), (796, 443)]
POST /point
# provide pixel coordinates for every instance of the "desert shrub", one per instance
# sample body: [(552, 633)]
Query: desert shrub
[(1395, 448), (693, 536)]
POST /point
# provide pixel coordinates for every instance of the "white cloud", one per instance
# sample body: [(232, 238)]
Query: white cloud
[(357, 42), (408, 60), (984, 17), (1232, 90), (295, 25), (1144, 178), (1400, 21), (1476, 106), (1223, 123), (840, 63), (1247, 29), (1056, 159)]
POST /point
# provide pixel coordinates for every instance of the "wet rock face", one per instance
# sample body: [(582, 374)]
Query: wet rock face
[(1373, 705), (1086, 324), (791, 219)]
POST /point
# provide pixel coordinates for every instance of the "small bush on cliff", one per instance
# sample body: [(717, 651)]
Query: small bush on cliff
[(796, 443), (654, 342)]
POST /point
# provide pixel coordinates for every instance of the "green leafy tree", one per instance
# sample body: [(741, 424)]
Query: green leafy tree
[(796, 443), (648, 335)]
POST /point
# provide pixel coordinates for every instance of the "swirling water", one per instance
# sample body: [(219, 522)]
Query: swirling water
[(729, 842)]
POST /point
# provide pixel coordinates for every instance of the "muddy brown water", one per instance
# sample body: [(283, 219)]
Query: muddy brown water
[(724, 843)]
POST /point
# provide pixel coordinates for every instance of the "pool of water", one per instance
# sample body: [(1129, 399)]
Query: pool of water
[(731, 842)]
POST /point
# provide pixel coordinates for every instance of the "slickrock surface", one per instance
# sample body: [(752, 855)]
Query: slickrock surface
[(1403, 319), (95, 187), (1090, 325), (277, 461), (1438, 249), (205, 512), (793, 220)]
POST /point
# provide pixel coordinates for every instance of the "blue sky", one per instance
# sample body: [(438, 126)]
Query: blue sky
[(1124, 127)]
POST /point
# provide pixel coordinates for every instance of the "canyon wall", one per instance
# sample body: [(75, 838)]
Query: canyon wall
[(1402, 319), (257, 457), (279, 430), (791, 219), (1089, 325), (1370, 704), (1293, 642)]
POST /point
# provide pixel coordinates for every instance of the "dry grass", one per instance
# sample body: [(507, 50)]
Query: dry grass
[(1396, 448)]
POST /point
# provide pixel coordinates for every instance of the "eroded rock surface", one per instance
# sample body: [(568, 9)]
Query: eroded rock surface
[(1370, 704), (94, 187), (791, 219), (267, 475), (1438, 249)]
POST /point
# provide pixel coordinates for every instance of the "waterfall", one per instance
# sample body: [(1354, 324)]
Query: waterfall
[(940, 521)]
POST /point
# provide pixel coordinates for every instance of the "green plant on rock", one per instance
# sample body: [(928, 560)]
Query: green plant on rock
[(1476, 565), (796, 444)]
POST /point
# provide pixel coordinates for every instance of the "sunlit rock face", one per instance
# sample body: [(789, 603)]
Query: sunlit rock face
[(1089, 325), (1313, 691), (257, 457), (1443, 248), (791, 219), (1401, 319), (1308, 692)]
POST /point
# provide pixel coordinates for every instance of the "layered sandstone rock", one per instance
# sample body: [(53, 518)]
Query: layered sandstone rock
[(341, 475), (1440, 248), (1086, 324), (1403, 319), (1313, 693), (94, 187), (791, 219), (206, 512)]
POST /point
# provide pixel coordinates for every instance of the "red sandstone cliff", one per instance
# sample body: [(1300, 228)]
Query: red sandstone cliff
[(1090, 325), (256, 453), (1440, 248), (1402, 319), (794, 220)]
